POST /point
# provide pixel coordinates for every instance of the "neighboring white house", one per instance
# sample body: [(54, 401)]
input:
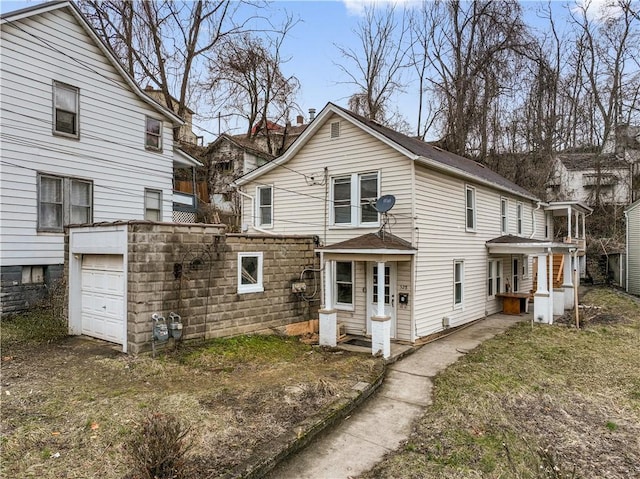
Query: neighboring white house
[(632, 214), (81, 143), (457, 235), (585, 176)]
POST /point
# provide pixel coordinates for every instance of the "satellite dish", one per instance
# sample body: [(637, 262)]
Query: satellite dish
[(385, 203)]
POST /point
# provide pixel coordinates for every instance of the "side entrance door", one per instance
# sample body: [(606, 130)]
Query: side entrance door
[(389, 294)]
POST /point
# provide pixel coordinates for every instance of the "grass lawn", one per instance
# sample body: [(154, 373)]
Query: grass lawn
[(71, 407), (536, 402)]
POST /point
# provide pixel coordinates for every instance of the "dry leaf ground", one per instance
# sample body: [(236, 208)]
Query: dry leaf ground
[(70, 405)]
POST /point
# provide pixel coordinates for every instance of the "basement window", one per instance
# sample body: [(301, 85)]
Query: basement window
[(250, 273)]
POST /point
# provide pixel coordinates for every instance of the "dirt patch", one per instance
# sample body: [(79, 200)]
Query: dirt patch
[(69, 407)]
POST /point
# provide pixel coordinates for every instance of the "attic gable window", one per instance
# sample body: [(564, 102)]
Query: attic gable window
[(153, 134), (66, 110), (335, 129)]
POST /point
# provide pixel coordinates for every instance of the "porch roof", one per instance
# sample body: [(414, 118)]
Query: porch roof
[(510, 244), (378, 244)]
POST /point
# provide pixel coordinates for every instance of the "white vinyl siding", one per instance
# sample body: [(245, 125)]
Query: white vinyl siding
[(110, 151), (633, 248), (353, 151), (442, 239), (264, 206)]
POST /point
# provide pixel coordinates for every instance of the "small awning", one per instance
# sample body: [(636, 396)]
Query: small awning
[(380, 246), (510, 244)]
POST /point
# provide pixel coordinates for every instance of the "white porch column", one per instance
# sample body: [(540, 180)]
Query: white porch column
[(550, 306), (569, 223), (328, 315), (541, 296), (577, 235), (567, 284), (381, 323), (584, 226)]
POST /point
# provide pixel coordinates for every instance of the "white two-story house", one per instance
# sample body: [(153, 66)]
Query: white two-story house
[(456, 238), (80, 143)]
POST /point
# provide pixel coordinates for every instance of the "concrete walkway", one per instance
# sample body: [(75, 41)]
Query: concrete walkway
[(385, 420)]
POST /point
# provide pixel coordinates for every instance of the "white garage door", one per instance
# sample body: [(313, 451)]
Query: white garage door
[(103, 311)]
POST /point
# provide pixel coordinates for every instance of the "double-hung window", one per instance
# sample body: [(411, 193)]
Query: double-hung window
[(519, 217), (265, 206), (153, 134), (494, 277), (470, 206), (66, 110), (152, 205), (458, 283), (353, 199), (63, 201), (344, 285), (250, 273), (504, 216)]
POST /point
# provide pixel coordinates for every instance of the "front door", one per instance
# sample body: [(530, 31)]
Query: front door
[(389, 294)]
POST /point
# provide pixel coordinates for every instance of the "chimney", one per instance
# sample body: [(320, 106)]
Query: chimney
[(299, 120), (312, 114)]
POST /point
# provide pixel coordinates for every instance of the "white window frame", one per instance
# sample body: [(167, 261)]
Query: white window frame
[(498, 277), (339, 305), (257, 287), (471, 208), (355, 206), (519, 214), (458, 304), (76, 112), (148, 134), (147, 208), (525, 267), (65, 204), (504, 215), (490, 280), (260, 206)]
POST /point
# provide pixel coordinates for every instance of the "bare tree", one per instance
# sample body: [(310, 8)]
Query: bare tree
[(247, 72), (375, 69), (164, 42)]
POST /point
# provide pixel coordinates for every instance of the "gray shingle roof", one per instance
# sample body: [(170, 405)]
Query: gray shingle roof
[(589, 161), (423, 149)]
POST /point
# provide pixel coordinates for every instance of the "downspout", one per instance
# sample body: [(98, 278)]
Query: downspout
[(259, 230), (533, 219), (626, 250)]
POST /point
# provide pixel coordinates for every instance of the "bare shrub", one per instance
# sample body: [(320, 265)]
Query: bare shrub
[(158, 448)]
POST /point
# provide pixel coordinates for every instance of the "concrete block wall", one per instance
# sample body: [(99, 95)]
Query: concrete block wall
[(192, 271)]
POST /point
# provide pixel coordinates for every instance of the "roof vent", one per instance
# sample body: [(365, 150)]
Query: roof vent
[(312, 114), (335, 129)]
